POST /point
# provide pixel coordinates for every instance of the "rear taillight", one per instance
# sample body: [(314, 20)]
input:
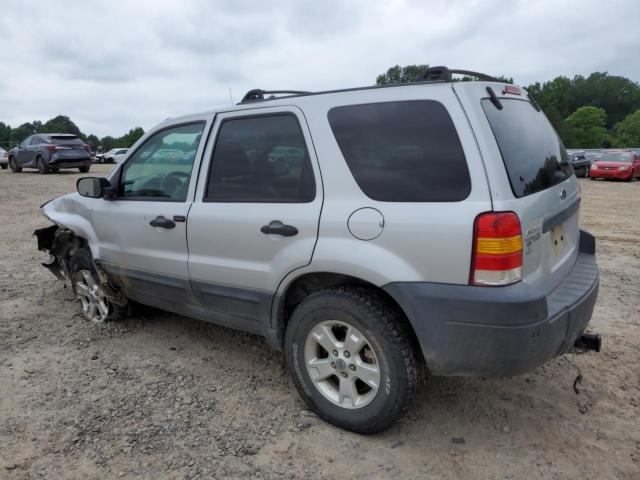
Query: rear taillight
[(51, 148), (87, 147), (497, 249)]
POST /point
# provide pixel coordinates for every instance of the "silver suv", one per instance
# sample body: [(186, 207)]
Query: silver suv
[(374, 234)]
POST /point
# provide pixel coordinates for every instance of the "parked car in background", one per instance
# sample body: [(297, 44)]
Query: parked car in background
[(580, 163), (112, 156), (384, 266), (593, 156), (620, 165), (4, 158), (49, 152)]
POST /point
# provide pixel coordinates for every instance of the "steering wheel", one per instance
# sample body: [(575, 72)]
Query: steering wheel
[(171, 180)]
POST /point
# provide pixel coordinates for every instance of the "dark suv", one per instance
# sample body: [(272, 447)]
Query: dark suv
[(49, 152)]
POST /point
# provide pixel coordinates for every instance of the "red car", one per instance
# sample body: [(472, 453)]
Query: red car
[(621, 165)]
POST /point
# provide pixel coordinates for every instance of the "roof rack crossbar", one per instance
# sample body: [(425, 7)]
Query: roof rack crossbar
[(258, 94), (445, 74)]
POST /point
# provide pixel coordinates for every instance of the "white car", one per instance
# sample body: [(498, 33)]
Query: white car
[(4, 158), (115, 155)]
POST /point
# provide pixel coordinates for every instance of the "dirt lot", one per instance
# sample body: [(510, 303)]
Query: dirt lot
[(162, 396)]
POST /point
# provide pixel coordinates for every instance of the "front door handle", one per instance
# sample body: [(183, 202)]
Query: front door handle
[(276, 227), (162, 222)]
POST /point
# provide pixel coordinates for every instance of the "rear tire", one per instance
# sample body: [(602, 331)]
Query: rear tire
[(14, 166), (43, 168), (384, 353), (3, 166), (84, 169)]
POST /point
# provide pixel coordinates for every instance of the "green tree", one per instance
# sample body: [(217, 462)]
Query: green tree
[(398, 74), (128, 139), (108, 143), (627, 132), (618, 96), (587, 126), (61, 124), (93, 141)]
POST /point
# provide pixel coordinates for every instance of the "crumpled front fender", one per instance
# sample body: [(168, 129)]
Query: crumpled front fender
[(71, 213)]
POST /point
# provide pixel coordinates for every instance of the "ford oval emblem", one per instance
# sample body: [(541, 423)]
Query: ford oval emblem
[(563, 194)]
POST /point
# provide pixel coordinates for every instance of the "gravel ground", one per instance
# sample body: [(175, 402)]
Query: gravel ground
[(163, 396)]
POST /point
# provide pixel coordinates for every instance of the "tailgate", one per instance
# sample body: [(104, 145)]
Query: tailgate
[(530, 174)]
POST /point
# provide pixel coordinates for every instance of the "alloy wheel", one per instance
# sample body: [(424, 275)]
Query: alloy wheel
[(95, 306), (342, 364)]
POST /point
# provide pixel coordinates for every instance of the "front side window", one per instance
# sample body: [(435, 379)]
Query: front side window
[(261, 159), (161, 168), (406, 151)]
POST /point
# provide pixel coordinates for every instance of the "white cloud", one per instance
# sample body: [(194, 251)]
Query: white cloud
[(114, 65)]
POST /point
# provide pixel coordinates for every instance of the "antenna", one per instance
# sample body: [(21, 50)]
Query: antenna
[(230, 97)]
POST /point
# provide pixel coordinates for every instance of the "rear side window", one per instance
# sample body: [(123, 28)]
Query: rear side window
[(261, 159), (533, 155), (402, 151)]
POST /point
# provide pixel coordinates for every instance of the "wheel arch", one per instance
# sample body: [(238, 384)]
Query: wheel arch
[(291, 294)]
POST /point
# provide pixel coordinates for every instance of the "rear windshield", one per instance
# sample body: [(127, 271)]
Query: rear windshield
[(59, 140), (533, 155), (406, 151), (616, 157)]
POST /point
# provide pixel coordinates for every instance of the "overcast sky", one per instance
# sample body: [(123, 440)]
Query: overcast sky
[(111, 65)]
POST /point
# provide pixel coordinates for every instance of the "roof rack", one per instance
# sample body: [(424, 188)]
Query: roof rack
[(257, 94), (432, 74), (445, 74)]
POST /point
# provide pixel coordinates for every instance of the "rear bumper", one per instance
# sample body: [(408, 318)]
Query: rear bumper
[(475, 331), (69, 162)]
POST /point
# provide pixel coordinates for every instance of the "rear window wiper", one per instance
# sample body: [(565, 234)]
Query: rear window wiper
[(494, 99)]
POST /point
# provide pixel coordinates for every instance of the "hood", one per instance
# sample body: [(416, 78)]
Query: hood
[(612, 164)]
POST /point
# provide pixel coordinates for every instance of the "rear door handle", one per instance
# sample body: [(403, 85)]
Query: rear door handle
[(276, 227), (161, 222)]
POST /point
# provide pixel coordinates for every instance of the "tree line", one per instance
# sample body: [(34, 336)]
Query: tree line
[(9, 137), (597, 111)]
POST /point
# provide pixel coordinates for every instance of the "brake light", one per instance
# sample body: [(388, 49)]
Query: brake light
[(497, 249), (87, 147), (512, 90), (51, 148)]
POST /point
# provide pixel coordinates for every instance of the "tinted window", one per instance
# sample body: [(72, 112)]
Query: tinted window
[(35, 140), (533, 154), (161, 167), (402, 151), (66, 140), (261, 159)]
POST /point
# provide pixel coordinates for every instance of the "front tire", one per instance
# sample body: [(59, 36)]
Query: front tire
[(86, 284), (84, 169), (14, 166), (353, 358)]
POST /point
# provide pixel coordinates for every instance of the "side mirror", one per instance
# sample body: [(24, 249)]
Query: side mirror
[(95, 187)]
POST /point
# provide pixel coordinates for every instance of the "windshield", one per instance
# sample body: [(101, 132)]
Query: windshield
[(616, 157), (533, 155)]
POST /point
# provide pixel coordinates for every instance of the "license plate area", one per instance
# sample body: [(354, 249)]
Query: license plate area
[(558, 239)]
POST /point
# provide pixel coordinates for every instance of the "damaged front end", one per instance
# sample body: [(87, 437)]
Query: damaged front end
[(61, 244)]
